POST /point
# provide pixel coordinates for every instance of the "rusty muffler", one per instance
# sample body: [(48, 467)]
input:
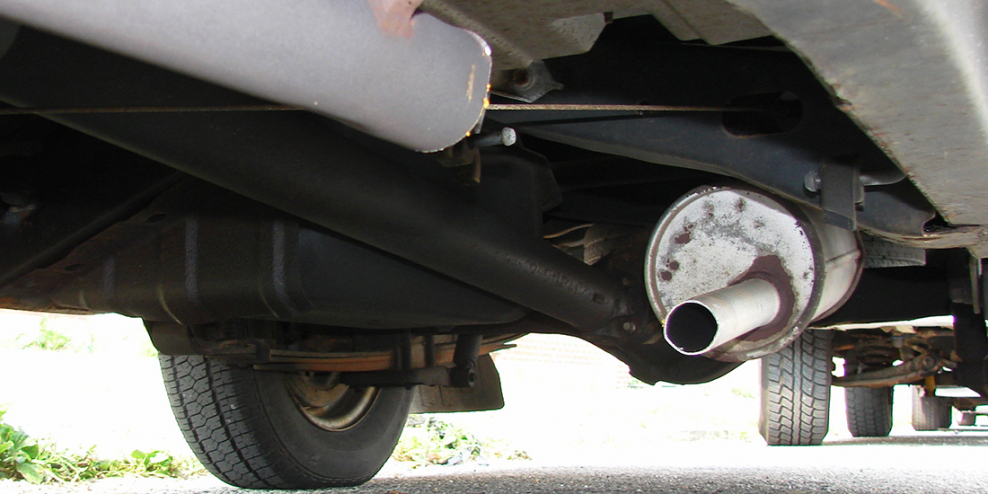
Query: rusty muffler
[(736, 274)]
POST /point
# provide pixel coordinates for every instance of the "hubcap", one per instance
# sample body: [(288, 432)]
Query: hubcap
[(326, 402)]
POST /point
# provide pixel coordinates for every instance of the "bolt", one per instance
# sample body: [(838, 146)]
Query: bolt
[(508, 136), (812, 181), (628, 326), (521, 78)]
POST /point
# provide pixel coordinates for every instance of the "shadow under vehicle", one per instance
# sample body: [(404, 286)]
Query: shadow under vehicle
[(330, 212)]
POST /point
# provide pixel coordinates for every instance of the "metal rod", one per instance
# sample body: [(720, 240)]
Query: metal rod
[(275, 107), (907, 372), (299, 165), (635, 108), (430, 350), (145, 109)]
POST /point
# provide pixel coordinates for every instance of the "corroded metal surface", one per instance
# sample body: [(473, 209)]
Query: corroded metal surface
[(716, 237), (521, 31), (914, 75)]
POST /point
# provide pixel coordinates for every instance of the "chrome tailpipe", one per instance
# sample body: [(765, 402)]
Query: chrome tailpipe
[(708, 321)]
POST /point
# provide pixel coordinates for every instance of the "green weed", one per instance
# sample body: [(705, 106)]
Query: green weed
[(23, 458), (743, 392), (48, 339), (440, 443)]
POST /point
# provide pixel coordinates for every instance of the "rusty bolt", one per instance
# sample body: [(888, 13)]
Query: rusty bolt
[(521, 78)]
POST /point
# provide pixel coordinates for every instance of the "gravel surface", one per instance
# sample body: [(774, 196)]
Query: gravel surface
[(925, 463)]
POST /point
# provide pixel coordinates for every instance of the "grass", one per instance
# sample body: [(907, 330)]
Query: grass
[(430, 441), (112, 334), (550, 414), (47, 338), (23, 458)]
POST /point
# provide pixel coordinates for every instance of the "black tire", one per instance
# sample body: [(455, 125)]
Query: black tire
[(247, 428), (795, 401), (880, 253), (930, 413), (869, 411)]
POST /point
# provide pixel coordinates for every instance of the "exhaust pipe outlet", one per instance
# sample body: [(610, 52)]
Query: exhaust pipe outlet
[(736, 274), (703, 323)]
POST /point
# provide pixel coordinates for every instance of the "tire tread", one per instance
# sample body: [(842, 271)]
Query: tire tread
[(796, 391), (869, 411), (217, 407), (930, 413)]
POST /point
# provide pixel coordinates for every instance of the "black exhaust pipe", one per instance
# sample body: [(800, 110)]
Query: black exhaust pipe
[(293, 162)]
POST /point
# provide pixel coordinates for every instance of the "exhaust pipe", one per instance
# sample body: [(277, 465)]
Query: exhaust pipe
[(300, 165), (703, 323), (402, 76), (736, 274)]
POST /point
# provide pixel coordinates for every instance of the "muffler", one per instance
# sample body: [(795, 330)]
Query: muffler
[(736, 274)]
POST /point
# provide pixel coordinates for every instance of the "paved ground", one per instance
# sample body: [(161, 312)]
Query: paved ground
[(928, 463), (689, 439)]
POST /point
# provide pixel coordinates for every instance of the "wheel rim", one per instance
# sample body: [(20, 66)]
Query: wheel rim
[(327, 403)]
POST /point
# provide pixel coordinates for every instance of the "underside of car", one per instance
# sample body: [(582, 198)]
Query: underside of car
[(329, 213)]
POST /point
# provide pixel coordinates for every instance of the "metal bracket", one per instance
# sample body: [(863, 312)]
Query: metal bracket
[(178, 339), (528, 84), (486, 395), (841, 190), (971, 347), (911, 371), (464, 375), (430, 376), (172, 338)]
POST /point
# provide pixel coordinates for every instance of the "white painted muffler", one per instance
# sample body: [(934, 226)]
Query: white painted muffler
[(736, 274)]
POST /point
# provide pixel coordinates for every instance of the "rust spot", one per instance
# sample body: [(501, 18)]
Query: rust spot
[(769, 268), (683, 238), (674, 265), (665, 275), (394, 17), (892, 8), (473, 75), (741, 205)]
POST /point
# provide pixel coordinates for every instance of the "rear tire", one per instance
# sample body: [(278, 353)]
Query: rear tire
[(247, 427), (930, 413), (869, 411), (795, 402)]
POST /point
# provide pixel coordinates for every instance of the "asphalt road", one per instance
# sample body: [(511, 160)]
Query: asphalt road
[(927, 463)]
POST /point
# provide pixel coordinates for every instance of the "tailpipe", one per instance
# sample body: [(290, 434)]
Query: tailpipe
[(736, 274), (703, 323)]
